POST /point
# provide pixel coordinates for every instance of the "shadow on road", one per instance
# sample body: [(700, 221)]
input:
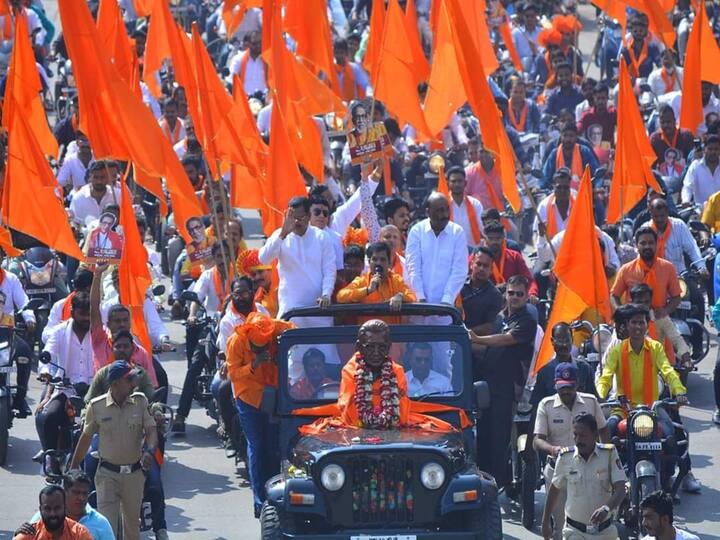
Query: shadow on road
[(19, 454), (184, 482)]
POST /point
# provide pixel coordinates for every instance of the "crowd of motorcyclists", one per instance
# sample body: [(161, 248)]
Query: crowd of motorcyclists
[(66, 314)]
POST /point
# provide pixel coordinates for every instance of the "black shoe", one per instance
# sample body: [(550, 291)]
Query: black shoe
[(178, 426), (22, 409), (230, 452)]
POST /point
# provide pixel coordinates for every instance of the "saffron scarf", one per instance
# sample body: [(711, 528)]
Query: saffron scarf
[(518, 124), (472, 218), (498, 268), (636, 62), (67, 306), (576, 167), (662, 238), (551, 225), (668, 80)]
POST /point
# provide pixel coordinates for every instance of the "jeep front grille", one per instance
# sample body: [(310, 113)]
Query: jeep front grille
[(382, 490)]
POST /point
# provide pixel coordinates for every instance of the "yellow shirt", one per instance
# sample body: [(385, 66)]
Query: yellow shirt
[(660, 364), (711, 214)]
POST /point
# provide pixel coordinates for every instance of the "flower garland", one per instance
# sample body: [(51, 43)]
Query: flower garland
[(387, 414)]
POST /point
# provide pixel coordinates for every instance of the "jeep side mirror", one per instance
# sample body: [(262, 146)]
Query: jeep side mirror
[(482, 394)]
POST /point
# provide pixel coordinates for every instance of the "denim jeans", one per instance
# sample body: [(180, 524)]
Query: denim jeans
[(263, 451), (199, 360)]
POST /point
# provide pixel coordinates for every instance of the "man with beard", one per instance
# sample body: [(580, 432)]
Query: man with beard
[(506, 262), (77, 486), (69, 346), (657, 518), (658, 273), (397, 212), (239, 307), (249, 265), (54, 524), (314, 375)]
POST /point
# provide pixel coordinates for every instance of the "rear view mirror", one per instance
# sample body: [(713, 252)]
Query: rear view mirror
[(482, 395), (159, 290), (45, 357), (189, 296)]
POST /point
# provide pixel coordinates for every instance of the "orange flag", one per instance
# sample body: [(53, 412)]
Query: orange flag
[(254, 148), (420, 63), (442, 186), (133, 270), (615, 10), (377, 27), (633, 154), (445, 93), (6, 243), (283, 181), (394, 82), (474, 13), (30, 203), (135, 134), (481, 100), (159, 44), (143, 8), (22, 90), (246, 189), (307, 22), (701, 44), (579, 269), (506, 34), (115, 39)]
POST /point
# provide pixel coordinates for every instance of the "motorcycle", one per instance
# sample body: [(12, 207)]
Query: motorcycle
[(39, 273), (55, 460), (689, 316), (643, 450), (7, 391), (595, 343)]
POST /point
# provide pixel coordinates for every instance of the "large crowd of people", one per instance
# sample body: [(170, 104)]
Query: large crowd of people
[(418, 220)]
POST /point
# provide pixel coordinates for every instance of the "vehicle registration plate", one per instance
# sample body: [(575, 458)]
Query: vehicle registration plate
[(48, 290), (657, 445), (385, 537), (6, 369)]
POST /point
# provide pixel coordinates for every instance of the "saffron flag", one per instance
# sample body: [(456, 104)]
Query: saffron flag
[(475, 14), (394, 82), (22, 90), (115, 39), (701, 45), (133, 272), (579, 269), (374, 44), (442, 186), (420, 63), (482, 101), (30, 203), (633, 154)]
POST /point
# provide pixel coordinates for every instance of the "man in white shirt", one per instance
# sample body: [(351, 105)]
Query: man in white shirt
[(668, 77), (421, 378), (674, 238), (306, 260), (88, 202), (172, 126), (73, 171), (60, 310), (249, 66), (611, 261), (437, 254), (657, 518), (465, 210), (212, 286), (553, 213), (703, 175), (525, 37), (70, 347)]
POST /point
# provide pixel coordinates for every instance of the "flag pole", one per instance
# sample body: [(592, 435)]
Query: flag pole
[(218, 224)]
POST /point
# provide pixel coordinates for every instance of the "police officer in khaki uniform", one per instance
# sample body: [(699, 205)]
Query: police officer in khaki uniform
[(554, 426), (594, 481), (122, 420)]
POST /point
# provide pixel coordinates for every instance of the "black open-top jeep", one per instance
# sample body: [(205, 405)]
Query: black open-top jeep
[(362, 484)]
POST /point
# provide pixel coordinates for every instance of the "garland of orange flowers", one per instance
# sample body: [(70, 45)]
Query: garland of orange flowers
[(387, 414)]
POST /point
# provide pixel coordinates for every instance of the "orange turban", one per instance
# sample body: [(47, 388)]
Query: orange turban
[(259, 329), (567, 24), (248, 262), (548, 37), (355, 236)]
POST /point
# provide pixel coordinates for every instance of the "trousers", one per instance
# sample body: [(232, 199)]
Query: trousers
[(120, 495), (558, 513)]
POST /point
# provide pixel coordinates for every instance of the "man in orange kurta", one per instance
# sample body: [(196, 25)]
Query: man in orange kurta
[(378, 285), (251, 366)]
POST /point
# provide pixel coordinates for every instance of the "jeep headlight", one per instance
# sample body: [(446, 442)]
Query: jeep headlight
[(432, 475), (643, 425), (332, 477)]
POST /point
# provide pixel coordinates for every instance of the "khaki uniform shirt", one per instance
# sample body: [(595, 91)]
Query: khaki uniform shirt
[(121, 428), (554, 420), (588, 483)]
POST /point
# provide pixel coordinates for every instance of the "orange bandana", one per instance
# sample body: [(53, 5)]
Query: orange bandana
[(472, 218), (498, 268), (551, 226), (662, 238), (67, 306), (669, 80), (648, 374), (636, 62), (519, 125), (576, 167)]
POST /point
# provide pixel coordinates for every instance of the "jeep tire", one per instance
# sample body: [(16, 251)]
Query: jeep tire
[(488, 521), (270, 522)]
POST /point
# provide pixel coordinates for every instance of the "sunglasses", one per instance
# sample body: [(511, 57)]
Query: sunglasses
[(519, 294), (319, 212)]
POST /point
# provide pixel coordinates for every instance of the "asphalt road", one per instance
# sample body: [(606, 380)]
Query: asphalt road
[(206, 499)]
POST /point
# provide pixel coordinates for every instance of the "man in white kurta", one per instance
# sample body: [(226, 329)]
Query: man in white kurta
[(465, 210), (307, 269)]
